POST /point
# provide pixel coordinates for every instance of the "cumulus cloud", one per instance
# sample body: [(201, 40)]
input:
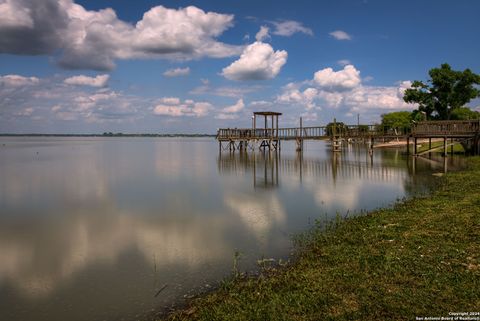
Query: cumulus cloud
[(238, 106), (289, 27), (89, 39), (258, 62), (81, 80), (17, 80), (51, 99), (177, 72), (31, 27), (173, 107), (343, 91), (262, 34), (293, 95), (345, 79), (340, 35), (14, 16), (231, 112)]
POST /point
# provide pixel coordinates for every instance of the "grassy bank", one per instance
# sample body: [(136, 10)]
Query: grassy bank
[(457, 148), (418, 259)]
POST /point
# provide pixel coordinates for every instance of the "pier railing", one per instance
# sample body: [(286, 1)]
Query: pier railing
[(316, 132), (448, 128)]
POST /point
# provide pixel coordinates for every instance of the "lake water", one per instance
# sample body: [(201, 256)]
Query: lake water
[(92, 228)]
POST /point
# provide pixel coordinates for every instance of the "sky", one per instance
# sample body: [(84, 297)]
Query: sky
[(145, 66)]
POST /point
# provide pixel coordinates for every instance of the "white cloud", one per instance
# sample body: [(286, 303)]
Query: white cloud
[(345, 79), (289, 27), (261, 103), (344, 62), (25, 112), (293, 95), (235, 108), (17, 80), (14, 16), (89, 39), (309, 116), (340, 35), (226, 116), (177, 72), (50, 96), (367, 79), (262, 34), (56, 108), (377, 98), (173, 107), (224, 91), (170, 100), (231, 112), (342, 90), (81, 80), (257, 62)]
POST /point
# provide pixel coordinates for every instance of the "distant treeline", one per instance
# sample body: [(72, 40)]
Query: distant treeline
[(109, 134)]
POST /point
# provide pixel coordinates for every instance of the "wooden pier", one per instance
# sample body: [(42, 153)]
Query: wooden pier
[(465, 132), (270, 136)]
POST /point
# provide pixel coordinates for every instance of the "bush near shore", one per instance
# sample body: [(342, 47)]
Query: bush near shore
[(420, 258)]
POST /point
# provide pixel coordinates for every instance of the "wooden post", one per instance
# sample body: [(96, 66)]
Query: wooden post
[(277, 126), (266, 126), (415, 146), (408, 145), (445, 150)]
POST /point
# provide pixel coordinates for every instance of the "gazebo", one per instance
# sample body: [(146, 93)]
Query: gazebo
[(268, 135)]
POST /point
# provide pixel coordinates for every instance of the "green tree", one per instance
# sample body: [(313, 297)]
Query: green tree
[(445, 91), (399, 120), (464, 113), (340, 128)]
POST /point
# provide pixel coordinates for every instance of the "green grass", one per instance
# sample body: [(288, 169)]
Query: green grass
[(419, 258), (457, 148)]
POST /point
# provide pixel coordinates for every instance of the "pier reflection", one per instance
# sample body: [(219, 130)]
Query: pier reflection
[(271, 169), (263, 166)]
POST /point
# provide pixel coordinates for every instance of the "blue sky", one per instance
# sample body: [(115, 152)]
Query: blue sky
[(194, 66)]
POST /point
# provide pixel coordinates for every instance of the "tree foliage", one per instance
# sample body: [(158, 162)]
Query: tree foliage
[(445, 91), (464, 113), (338, 128), (397, 120)]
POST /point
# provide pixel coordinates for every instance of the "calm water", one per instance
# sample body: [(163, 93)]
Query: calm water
[(91, 229)]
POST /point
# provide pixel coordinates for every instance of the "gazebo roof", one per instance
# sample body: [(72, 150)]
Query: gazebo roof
[(266, 113)]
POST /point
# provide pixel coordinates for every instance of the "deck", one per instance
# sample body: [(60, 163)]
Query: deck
[(466, 132), (446, 128), (308, 133)]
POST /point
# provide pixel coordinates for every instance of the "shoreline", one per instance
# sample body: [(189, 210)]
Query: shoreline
[(403, 142), (416, 259)]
